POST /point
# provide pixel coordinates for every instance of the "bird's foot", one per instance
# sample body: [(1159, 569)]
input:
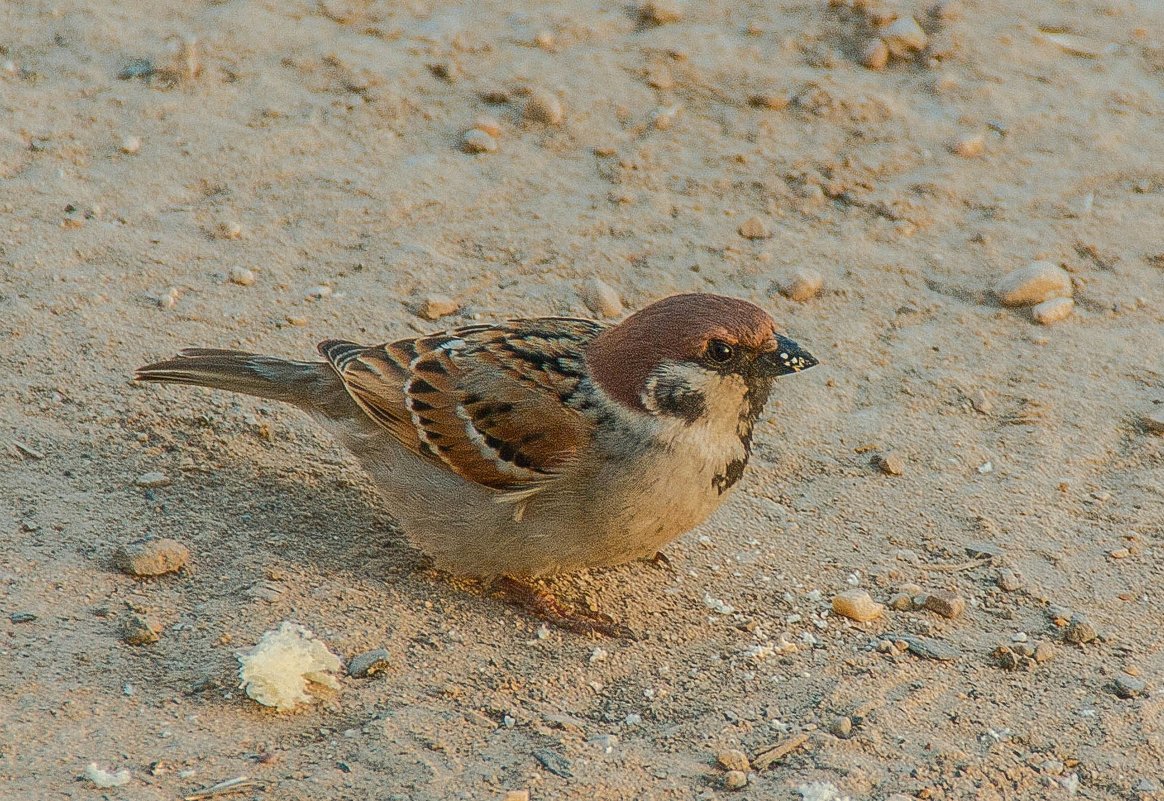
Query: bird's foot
[(542, 603), (661, 561)]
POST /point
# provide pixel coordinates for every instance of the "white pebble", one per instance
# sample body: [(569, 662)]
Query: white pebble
[(229, 230), (105, 778), (1052, 311), (152, 480), (754, 228), (130, 145), (735, 780), (545, 40), (716, 605), (660, 12), (1033, 284), (801, 285), (904, 37), (969, 147), (242, 276), (875, 55), (436, 306), (477, 141), (544, 107), (489, 125), (601, 298), (319, 292)]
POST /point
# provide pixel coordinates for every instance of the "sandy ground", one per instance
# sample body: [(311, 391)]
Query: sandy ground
[(318, 145)]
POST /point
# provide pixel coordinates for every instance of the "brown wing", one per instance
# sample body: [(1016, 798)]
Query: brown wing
[(488, 402)]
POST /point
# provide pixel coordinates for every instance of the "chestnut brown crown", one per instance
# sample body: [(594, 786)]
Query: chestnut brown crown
[(717, 333)]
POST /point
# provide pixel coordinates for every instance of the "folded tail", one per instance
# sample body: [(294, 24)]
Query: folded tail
[(309, 385)]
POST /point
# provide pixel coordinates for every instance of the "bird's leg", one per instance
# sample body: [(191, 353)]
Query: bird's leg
[(543, 604)]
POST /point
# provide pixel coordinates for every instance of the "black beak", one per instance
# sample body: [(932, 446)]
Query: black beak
[(786, 358)]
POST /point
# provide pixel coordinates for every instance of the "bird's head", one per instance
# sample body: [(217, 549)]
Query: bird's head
[(692, 355)]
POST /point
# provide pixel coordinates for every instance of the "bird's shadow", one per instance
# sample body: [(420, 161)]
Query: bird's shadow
[(330, 517)]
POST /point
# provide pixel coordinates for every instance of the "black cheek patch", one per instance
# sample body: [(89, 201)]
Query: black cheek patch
[(686, 404)]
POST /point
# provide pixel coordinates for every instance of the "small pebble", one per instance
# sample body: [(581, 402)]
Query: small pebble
[(983, 550), (229, 230), (152, 557), (901, 602), (801, 285), (1154, 421), (1129, 686), (907, 555), (735, 780), (946, 604), (601, 298), (319, 292), (369, 663), (1147, 786), (1044, 652), (969, 147), (947, 10), (152, 480), (21, 617), (660, 12), (1009, 580), (434, 307), (445, 70), (477, 141), (731, 759), (137, 68), (544, 107), (140, 630), (1033, 284), (1080, 630), (926, 647), (904, 37), (857, 605), (841, 727), (754, 228), (875, 55), (169, 299), (130, 145), (489, 125), (242, 276), (106, 778), (1119, 553), (889, 463), (516, 795), (544, 40), (1052, 311), (662, 117)]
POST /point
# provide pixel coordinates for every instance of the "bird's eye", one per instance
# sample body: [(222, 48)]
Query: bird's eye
[(719, 351)]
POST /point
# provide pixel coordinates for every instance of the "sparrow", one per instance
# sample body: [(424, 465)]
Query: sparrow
[(538, 446)]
